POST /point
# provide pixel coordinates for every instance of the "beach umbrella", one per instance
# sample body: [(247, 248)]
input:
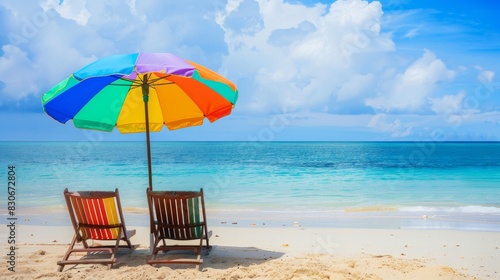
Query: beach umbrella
[(141, 92)]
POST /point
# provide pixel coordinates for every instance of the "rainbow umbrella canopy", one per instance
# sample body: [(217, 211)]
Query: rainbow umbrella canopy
[(141, 92)]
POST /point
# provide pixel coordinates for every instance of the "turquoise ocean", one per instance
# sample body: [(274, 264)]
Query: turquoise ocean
[(428, 185)]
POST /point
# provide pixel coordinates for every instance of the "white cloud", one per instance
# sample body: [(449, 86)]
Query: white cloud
[(396, 128), (410, 90), (245, 19), (18, 74), (486, 76), (314, 69), (69, 9), (48, 47), (131, 4), (307, 118), (448, 104), (356, 86), (411, 33)]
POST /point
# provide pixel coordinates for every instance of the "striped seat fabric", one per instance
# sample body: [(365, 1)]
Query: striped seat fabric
[(91, 213)]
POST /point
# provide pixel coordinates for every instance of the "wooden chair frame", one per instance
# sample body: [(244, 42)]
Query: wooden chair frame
[(179, 216), (96, 215)]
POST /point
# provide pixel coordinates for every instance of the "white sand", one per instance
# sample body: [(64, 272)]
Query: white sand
[(292, 252)]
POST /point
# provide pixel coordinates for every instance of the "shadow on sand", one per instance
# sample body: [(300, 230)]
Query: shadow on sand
[(219, 257)]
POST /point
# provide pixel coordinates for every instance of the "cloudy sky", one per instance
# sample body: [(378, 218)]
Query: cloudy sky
[(391, 70)]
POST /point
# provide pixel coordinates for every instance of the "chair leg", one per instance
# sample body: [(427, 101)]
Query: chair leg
[(128, 243), (207, 236), (70, 249), (156, 241), (117, 245)]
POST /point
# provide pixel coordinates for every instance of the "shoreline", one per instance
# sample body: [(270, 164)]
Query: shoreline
[(325, 219), (281, 252)]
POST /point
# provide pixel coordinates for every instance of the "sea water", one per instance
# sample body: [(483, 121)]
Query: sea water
[(347, 184)]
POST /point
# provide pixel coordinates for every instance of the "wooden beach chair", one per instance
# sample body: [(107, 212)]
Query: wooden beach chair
[(179, 217), (96, 215)]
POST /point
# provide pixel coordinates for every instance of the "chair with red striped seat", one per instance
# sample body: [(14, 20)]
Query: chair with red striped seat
[(179, 217), (96, 215)]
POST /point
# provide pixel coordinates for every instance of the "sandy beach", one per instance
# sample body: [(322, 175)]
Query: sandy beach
[(288, 252)]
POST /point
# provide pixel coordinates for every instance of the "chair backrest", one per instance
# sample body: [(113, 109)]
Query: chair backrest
[(178, 215), (96, 214)]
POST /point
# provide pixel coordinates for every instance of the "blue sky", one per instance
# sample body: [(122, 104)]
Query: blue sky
[(349, 70)]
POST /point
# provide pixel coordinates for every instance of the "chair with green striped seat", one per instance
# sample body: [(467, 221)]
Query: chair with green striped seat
[(96, 215), (178, 217)]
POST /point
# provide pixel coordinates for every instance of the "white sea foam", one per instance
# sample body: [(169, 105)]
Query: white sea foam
[(469, 209)]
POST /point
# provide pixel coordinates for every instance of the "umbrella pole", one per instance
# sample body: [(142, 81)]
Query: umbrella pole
[(148, 148), (145, 95)]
